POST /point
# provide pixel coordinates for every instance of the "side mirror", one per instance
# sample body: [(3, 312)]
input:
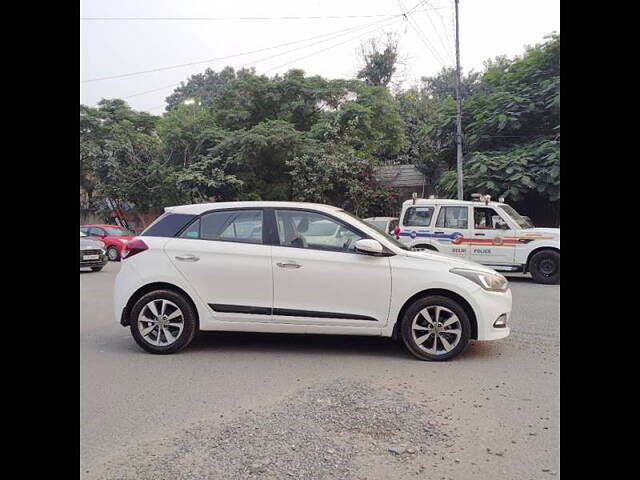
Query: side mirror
[(369, 247)]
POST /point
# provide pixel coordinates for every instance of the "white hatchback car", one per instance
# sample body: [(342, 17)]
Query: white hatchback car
[(253, 267)]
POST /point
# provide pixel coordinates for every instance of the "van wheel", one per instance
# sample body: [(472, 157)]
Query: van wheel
[(545, 267), (162, 322), (435, 328)]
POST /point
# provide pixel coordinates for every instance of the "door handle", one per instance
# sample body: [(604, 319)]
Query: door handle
[(479, 234), (187, 258), (438, 233), (289, 265)]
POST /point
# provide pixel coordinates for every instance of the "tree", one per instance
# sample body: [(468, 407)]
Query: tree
[(258, 157), (206, 87), (188, 132), (511, 124), (380, 61)]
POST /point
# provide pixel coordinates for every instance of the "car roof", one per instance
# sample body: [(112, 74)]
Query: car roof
[(102, 225), (448, 201), (198, 208)]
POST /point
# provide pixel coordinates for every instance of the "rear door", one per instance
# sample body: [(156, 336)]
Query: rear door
[(452, 230), (224, 257)]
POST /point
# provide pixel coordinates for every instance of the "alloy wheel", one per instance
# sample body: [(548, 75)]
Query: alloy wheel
[(160, 322), (436, 330)]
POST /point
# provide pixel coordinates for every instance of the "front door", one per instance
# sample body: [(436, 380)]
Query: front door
[(493, 242), (319, 279), (226, 261), (452, 231)]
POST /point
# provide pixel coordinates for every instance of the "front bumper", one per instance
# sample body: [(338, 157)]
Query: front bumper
[(489, 306), (100, 262)]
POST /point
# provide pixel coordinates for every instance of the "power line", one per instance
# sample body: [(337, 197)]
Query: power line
[(447, 50), (322, 50), (330, 47), (349, 30), (300, 58), (210, 60), (419, 32), (307, 17)]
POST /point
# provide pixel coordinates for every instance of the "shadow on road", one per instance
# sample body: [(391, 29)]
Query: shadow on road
[(216, 343), (298, 343)]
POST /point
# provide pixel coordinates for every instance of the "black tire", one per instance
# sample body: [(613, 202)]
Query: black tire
[(188, 315), (545, 267), (431, 301), (96, 269), (112, 254)]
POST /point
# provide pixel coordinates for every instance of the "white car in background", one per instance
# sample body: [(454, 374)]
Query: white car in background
[(491, 233), (386, 224), (299, 268)]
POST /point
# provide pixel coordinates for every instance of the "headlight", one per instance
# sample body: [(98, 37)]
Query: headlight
[(493, 282)]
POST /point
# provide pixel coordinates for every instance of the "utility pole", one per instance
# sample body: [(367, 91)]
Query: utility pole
[(458, 110)]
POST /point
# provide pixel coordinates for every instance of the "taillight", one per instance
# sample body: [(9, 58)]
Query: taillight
[(132, 247)]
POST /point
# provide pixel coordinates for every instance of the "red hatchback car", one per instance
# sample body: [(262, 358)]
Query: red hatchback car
[(113, 236)]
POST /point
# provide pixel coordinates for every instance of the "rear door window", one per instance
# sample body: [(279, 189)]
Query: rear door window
[(232, 226), (453, 217), (167, 225)]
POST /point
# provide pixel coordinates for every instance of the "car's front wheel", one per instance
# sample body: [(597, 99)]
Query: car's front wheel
[(162, 322), (545, 267), (112, 254), (435, 328)]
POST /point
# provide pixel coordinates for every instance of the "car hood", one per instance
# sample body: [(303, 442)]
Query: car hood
[(449, 260), (554, 233), (88, 244)]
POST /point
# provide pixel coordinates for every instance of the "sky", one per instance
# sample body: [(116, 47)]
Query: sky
[(320, 46)]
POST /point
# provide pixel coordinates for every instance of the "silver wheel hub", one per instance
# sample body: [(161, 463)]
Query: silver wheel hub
[(436, 330), (160, 322)]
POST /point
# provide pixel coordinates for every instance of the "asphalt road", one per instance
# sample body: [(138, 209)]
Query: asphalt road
[(239, 405)]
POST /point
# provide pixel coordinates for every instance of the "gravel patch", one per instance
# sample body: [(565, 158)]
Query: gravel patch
[(320, 433)]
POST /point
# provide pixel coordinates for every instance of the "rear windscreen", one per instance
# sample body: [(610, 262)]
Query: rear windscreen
[(168, 225)]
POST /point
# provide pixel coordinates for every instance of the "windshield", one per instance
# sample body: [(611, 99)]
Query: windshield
[(387, 237), (118, 231), (379, 224), (516, 217)]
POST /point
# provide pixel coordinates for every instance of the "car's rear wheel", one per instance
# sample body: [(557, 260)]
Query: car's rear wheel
[(112, 254), (435, 328), (545, 267), (162, 322)]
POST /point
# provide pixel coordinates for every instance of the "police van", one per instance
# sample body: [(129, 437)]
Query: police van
[(484, 231)]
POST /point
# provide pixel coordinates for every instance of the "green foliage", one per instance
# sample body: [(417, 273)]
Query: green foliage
[(511, 124), (206, 180), (258, 157), (247, 136), (379, 61), (188, 132), (204, 87)]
